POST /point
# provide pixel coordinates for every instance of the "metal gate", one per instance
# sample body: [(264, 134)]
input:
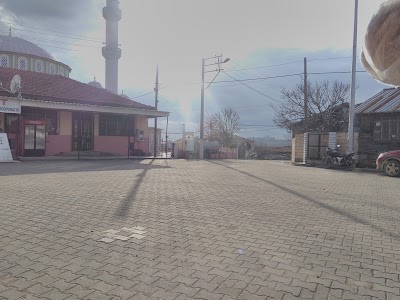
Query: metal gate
[(317, 143)]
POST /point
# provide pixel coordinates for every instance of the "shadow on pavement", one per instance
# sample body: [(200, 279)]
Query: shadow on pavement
[(57, 167), (321, 204), (126, 204)]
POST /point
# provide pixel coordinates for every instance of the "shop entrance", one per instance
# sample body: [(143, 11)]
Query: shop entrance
[(34, 138), (82, 132)]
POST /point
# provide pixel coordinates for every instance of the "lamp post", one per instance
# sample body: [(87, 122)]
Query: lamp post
[(203, 71), (350, 145)]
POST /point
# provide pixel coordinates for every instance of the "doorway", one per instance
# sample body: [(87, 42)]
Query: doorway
[(82, 131), (35, 139)]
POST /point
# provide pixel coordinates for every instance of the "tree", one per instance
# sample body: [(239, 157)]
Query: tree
[(327, 107), (222, 126)]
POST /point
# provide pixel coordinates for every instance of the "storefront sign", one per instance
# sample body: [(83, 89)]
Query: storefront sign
[(35, 122), (5, 151), (10, 106)]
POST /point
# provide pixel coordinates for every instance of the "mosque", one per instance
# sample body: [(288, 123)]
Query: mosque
[(54, 114)]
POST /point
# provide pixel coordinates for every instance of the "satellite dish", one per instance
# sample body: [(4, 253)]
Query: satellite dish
[(15, 85)]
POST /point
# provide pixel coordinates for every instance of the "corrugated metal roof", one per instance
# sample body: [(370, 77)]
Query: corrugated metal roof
[(385, 101)]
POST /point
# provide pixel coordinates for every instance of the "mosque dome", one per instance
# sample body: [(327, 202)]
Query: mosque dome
[(21, 54), (95, 84), (14, 44)]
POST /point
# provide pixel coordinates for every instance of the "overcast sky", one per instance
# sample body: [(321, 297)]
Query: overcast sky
[(178, 34)]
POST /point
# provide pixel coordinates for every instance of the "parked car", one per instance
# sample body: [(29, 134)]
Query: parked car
[(389, 162)]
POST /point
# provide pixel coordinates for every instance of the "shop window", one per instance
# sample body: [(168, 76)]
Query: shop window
[(51, 122), (113, 125), (51, 117), (11, 123)]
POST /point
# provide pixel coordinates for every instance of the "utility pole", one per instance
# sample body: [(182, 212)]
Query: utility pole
[(155, 119), (218, 69), (201, 151), (183, 140), (350, 144), (166, 140), (305, 96)]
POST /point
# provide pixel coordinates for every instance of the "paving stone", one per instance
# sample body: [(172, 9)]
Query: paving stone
[(268, 229)]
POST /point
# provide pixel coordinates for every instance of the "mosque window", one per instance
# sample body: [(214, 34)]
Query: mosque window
[(23, 63), (4, 61), (112, 125), (52, 69), (39, 66)]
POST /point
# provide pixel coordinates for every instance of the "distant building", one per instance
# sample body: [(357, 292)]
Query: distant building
[(151, 141)]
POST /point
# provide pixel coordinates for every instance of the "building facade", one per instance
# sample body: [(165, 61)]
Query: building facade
[(57, 115), (378, 121)]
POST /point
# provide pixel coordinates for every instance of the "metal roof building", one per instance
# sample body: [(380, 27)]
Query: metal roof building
[(386, 101)]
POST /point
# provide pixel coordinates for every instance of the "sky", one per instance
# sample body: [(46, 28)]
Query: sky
[(262, 38)]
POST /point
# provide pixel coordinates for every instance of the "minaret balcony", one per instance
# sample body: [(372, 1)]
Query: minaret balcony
[(112, 14), (111, 52)]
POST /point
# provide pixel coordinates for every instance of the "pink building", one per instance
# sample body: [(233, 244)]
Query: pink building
[(58, 115), (54, 115)]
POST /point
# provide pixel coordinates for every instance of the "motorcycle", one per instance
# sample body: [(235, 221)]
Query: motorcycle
[(334, 159)]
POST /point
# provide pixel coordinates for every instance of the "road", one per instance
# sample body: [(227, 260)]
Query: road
[(176, 229)]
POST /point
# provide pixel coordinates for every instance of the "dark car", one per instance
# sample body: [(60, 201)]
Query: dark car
[(389, 162)]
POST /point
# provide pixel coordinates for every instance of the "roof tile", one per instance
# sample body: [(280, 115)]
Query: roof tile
[(41, 86)]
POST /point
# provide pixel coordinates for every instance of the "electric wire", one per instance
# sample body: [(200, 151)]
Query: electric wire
[(261, 93), (63, 34)]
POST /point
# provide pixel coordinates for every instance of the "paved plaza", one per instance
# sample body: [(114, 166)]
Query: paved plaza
[(176, 229)]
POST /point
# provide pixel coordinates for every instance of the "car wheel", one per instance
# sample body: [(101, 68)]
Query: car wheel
[(392, 168)]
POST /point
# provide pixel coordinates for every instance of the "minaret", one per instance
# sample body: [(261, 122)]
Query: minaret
[(111, 51)]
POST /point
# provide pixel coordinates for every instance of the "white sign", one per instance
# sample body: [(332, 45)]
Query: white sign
[(10, 106), (5, 151)]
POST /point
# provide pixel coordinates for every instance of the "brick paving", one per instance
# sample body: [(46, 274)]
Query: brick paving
[(196, 230)]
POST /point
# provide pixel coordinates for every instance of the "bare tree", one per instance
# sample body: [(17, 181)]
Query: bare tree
[(222, 126), (327, 107)]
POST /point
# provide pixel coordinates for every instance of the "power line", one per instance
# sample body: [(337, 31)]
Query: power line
[(254, 79), (335, 72), (213, 80), (55, 41), (252, 88), (246, 125), (48, 30), (329, 58), (264, 67), (283, 76), (289, 63), (258, 130), (259, 85)]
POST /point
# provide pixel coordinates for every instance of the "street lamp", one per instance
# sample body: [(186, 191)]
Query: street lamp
[(203, 65), (350, 145)]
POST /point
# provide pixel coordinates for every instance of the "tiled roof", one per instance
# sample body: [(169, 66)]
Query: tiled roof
[(17, 45), (385, 101), (41, 86)]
